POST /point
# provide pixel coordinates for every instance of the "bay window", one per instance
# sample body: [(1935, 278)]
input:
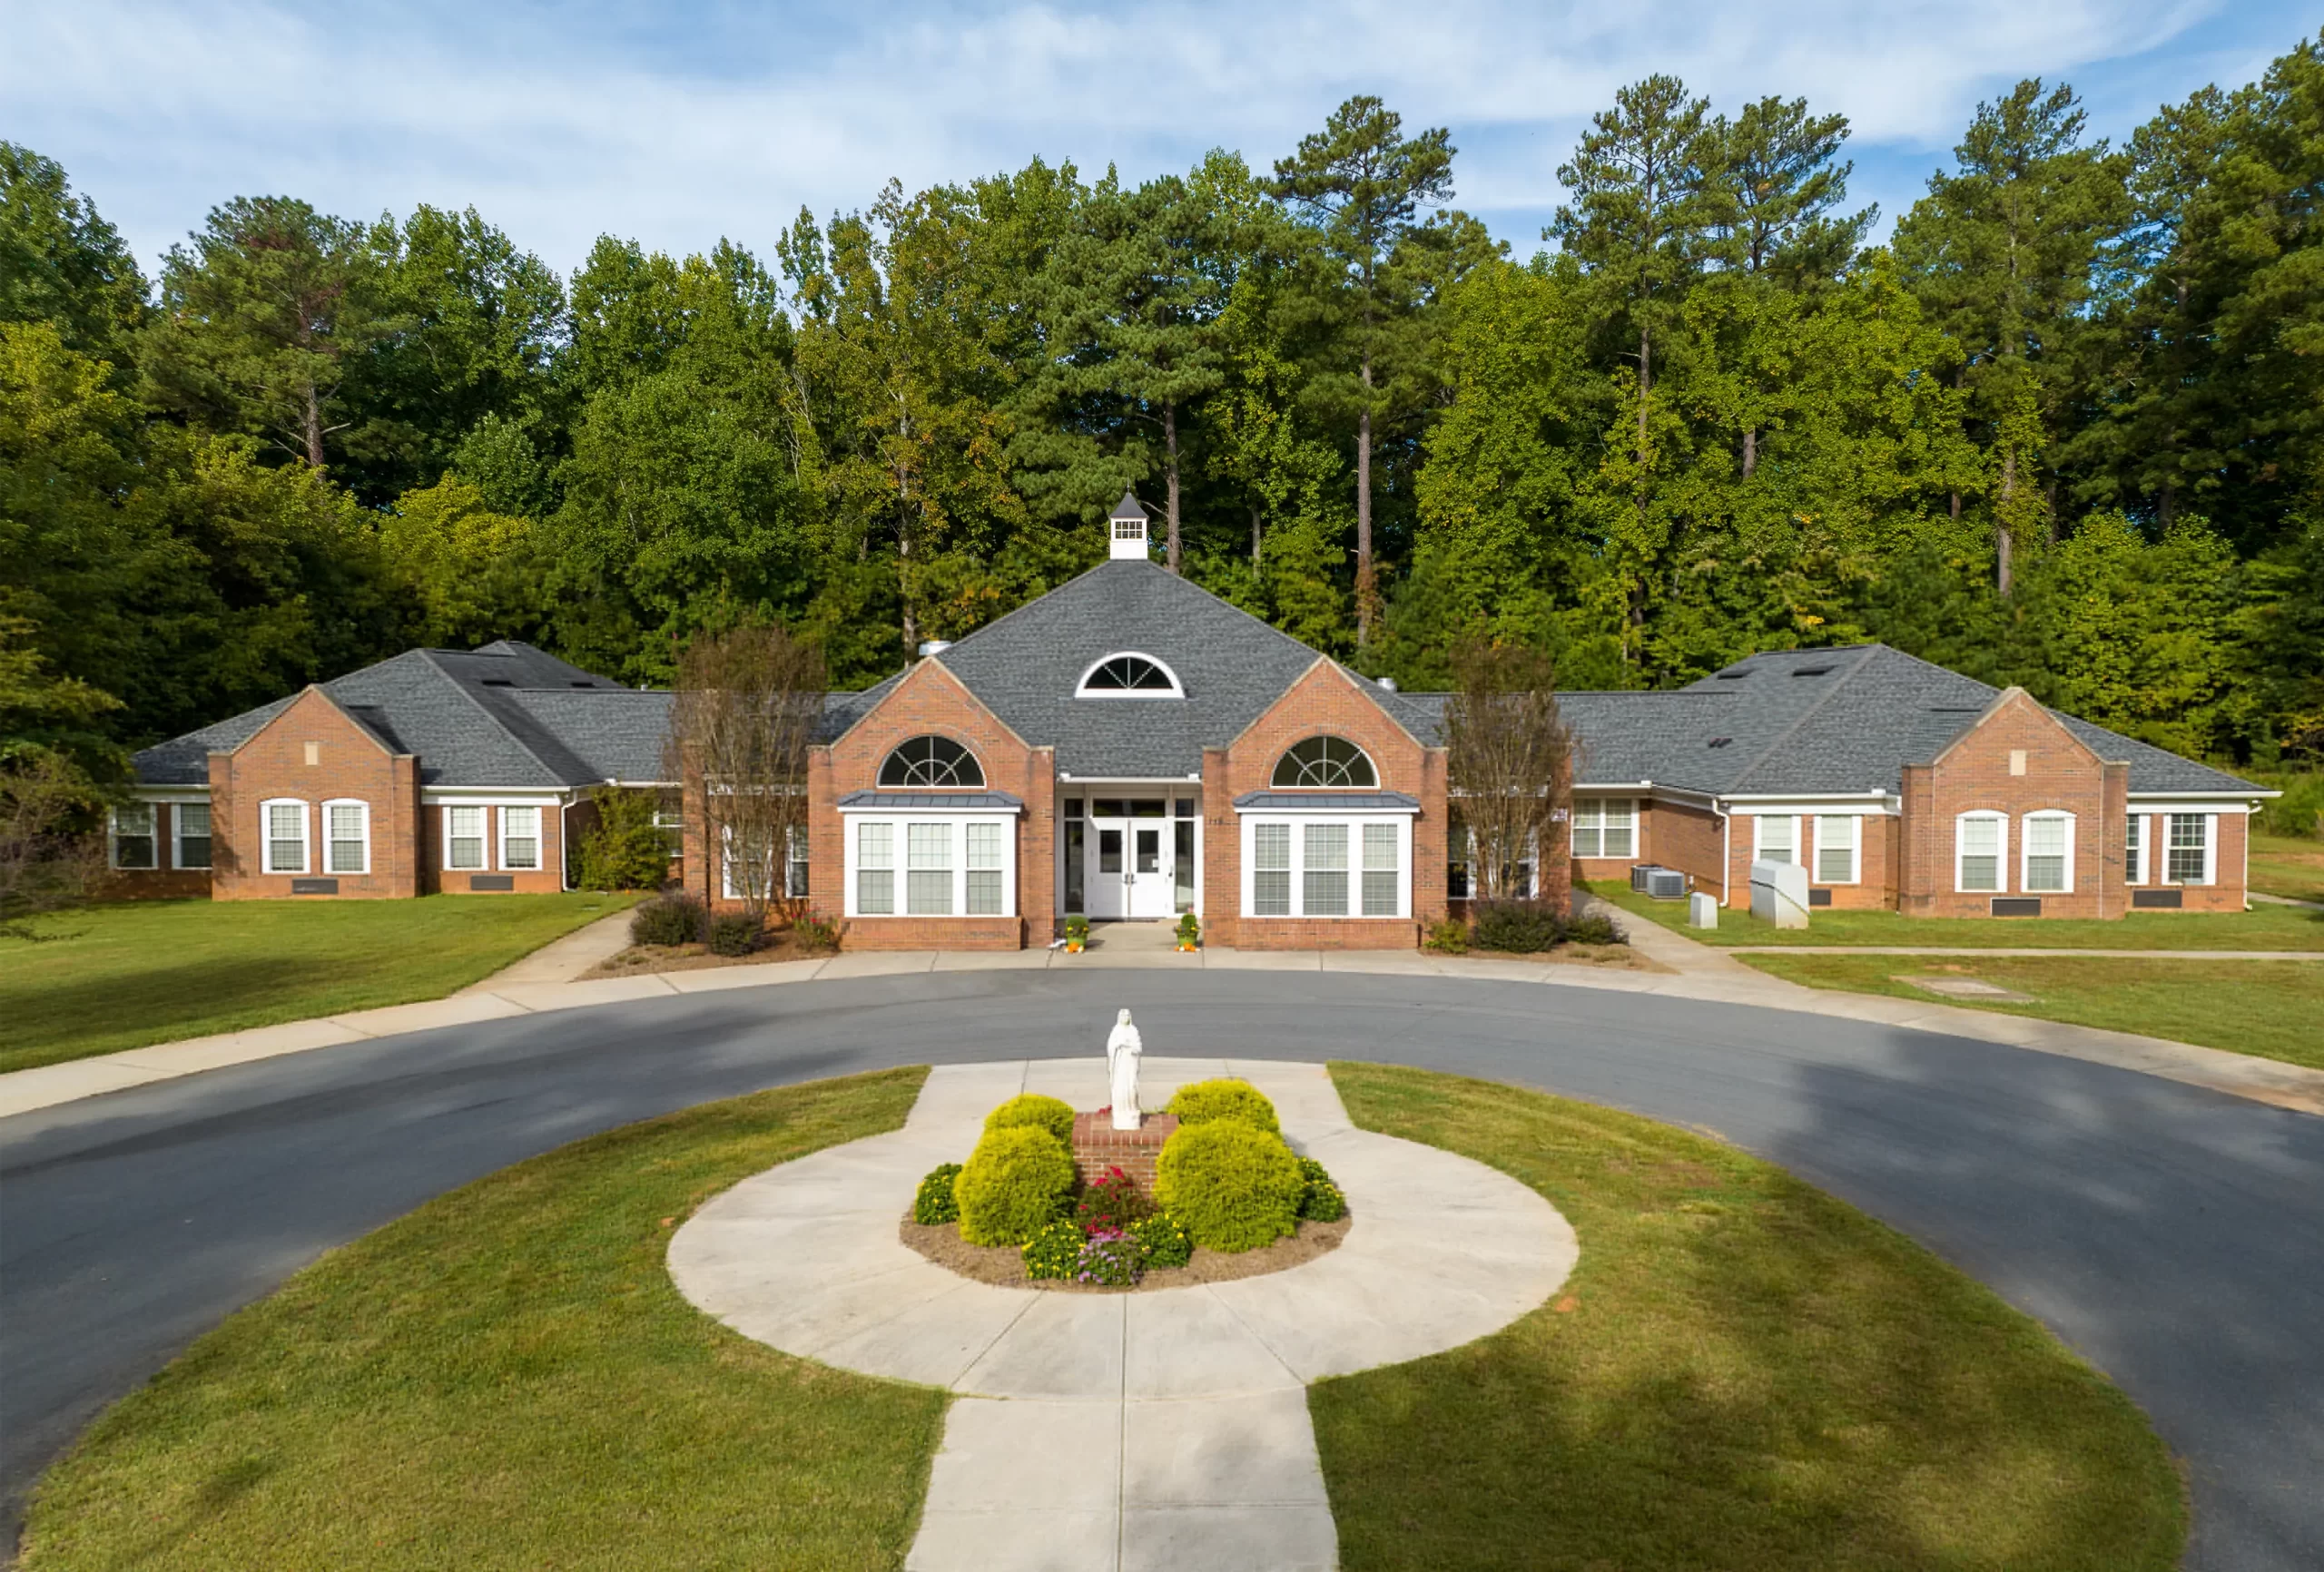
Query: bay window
[(133, 842), (875, 867), (1324, 887), (953, 865), (984, 870), (2048, 852), (1271, 870), (1977, 852)]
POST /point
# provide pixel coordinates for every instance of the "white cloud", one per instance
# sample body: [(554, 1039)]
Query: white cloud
[(558, 124)]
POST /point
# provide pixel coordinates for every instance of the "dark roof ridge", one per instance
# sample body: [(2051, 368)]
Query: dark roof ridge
[(1100, 567), (486, 711)]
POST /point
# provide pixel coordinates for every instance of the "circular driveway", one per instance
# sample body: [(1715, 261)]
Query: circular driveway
[(2173, 1236)]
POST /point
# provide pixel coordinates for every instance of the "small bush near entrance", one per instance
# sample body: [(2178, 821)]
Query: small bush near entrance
[(935, 1202), (1049, 1114), (1322, 1201), (1202, 1102), (1595, 929), (1517, 928), (1114, 1205), (669, 919), (1055, 1251), (737, 934), (1231, 1186), (625, 849), (1014, 1185)]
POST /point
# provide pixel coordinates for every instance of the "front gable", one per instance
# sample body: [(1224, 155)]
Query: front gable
[(927, 699), (2016, 747)]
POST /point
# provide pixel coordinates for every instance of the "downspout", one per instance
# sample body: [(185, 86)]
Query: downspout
[(1726, 851), (565, 846)]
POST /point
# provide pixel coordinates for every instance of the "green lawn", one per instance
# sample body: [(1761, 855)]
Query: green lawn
[(1743, 1373), (2262, 928), (2288, 865), (2266, 1008), (507, 1378), (124, 974)]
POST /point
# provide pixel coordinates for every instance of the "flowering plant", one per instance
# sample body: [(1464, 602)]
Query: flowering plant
[(1111, 1258), (1112, 1202), (1054, 1252)]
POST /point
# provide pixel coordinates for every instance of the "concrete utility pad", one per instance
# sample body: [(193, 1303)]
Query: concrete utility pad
[(1150, 1431)]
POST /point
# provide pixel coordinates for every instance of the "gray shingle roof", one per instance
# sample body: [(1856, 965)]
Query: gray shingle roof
[(1024, 667)]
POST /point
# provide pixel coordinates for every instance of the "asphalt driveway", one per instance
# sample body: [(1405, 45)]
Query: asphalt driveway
[(2174, 1236)]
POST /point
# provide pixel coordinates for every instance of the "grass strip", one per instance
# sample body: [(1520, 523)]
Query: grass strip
[(2262, 928), (506, 1378), (132, 973), (2288, 866), (1742, 1373), (2268, 1009)]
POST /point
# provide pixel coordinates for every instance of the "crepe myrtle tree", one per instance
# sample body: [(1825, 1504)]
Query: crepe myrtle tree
[(742, 718), (1510, 760)]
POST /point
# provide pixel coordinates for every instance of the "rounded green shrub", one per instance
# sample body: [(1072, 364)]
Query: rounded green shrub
[(1054, 1252), (668, 920), (1201, 1102), (1041, 1113), (1230, 1186), (1321, 1201), (1015, 1182), (935, 1202), (1163, 1242), (736, 935), (1517, 928)]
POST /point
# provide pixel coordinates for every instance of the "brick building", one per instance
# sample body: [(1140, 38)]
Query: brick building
[(1131, 747)]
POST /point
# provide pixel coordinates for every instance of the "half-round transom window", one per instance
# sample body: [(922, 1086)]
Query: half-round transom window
[(1325, 761), (931, 761), (1130, 675)]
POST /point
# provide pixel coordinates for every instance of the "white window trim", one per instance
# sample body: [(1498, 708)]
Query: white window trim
[(113, 837), (899, 858), (266, 835), (1355, 823), (795, 842), (2135, 858), (1601, 804), (2025, 850), (2001, 851), (1758, 840), (177, 838), (2210, 850), (483, 838), (323, 820), (1855, 822), (540, 838), (1082, 690)]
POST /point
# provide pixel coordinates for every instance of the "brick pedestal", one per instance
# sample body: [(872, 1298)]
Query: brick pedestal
[(1097, 1147)]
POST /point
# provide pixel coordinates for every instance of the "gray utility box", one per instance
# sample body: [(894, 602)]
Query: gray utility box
[(1702, 911), (1656, 882)]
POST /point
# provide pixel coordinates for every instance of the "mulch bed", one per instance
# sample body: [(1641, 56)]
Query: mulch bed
[(645, 958), (1613, 957), (1003, 1265)]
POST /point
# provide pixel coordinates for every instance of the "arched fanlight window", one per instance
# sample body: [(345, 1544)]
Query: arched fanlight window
[(1129, 674), (932, 763), (1325, 761)]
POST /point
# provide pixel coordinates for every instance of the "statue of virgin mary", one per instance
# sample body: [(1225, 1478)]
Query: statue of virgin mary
[(1123, 1047)]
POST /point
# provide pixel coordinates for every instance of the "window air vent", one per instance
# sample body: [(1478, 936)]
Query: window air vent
[(1719, 741)]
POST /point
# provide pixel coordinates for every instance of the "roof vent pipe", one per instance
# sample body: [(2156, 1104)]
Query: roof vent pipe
[(933, 647), (1389, 684)]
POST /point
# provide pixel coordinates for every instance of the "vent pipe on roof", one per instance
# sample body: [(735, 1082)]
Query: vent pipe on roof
[(1389, 684), (933, 647)]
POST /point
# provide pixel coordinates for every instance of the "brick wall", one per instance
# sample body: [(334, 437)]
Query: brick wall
[(930, 699), (314, 753), (165, 882), (435, 878), (1325, 700), (2016, 760), (2227, 892)]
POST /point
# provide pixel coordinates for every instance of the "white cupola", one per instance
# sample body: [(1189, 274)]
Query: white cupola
[(1127, 529)]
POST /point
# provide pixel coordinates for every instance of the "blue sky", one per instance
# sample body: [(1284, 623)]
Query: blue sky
[(677, 124)]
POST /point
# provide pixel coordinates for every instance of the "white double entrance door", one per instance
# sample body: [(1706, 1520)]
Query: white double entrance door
[(1128, 870)]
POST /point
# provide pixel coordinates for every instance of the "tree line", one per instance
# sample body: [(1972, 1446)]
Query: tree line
[(2066, 428)]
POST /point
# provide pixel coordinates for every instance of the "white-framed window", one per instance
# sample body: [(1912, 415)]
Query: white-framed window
[(951, 864), (794, 865), (1980, 853), (1775, 838), (1605, 827), (875, 867), (1333, 763), (984, 874), (2190, 849), (193, 834), (670, 823), (2135, 848), (284, 820), (347, 836), (932, 763), (1334, 867), (1128, 676), (2046, 850), (464, 837), (1839, 847), (520, 838), (135, 844)]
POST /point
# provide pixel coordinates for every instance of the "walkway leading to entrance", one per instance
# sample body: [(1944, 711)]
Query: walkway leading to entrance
[(1119, 1432)]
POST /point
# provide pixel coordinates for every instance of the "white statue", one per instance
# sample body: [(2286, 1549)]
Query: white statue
[(1123, 1047)]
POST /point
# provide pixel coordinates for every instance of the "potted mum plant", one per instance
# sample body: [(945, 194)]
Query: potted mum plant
[(1189, 931), (1077, 934)]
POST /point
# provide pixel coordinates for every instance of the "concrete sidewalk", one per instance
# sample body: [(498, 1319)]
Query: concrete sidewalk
[(2027, 952), (1697, 972)]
